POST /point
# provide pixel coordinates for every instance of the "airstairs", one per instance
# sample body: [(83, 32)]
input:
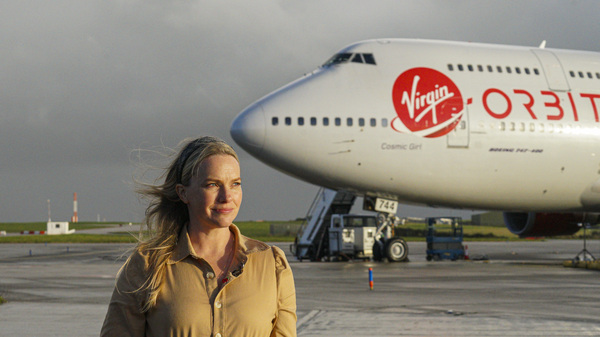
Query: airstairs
[(312, 241)]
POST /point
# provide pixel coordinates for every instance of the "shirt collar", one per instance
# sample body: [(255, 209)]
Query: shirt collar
[(244, 246)]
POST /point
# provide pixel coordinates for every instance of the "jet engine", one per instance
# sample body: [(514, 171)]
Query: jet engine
[(546, 224)]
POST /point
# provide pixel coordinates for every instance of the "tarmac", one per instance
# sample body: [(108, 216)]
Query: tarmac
[(506, 289)]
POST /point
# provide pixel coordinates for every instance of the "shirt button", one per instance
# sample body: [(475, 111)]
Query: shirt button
[(210, 275), (218, 305)]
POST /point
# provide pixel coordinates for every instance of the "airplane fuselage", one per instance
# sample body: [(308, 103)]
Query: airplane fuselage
[(437, 123)]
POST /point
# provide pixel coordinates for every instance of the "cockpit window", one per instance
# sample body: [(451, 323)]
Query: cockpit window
[(369, 59), (337, 59), (355, 58)]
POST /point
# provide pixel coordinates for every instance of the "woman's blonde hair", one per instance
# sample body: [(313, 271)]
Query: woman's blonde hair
[(166, 214)]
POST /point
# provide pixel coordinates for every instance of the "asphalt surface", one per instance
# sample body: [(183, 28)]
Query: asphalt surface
[(522, 289)]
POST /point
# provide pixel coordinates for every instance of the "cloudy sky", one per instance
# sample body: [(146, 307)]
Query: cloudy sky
[(86, 83)]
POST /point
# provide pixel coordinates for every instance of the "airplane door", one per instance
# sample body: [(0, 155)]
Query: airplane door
[(459, 137), (552, 69)]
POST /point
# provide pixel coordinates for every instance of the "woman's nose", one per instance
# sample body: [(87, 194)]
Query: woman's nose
[(225, 194)]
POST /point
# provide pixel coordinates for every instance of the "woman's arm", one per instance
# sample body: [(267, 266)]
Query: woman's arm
[(286, 293), (124, 316)]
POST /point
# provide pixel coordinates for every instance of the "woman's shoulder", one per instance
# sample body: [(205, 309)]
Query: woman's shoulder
[(135, 268), (246, 244), (281, 261), (253, 245)]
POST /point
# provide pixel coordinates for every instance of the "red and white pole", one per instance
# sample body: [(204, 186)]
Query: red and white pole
[(75, 218)]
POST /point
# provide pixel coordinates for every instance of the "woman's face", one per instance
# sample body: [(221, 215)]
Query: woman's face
[(214, 195)]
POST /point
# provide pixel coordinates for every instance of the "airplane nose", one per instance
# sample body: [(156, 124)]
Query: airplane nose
[(248, 128)]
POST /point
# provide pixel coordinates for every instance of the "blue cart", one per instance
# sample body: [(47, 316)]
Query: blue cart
[(445, 244)]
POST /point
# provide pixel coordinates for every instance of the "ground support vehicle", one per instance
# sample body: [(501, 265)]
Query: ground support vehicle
[(352, 236), (445, 244)]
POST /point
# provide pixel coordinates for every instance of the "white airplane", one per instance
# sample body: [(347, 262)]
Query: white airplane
[(448, 124)]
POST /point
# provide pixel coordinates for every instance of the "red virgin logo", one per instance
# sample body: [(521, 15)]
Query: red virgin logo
[(427, 102)]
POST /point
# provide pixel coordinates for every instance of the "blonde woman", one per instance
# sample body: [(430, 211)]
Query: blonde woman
[(198, 276)]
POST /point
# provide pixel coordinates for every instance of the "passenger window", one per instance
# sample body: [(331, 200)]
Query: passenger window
[(349, 121), (338, 121), (313, 121), (470, 67), (490, 68), (480, 68), (300, 120), (517, 70), (499, 68), (527, 71), (326, 121), (589, 74), (288, 121), (274, 121), (450, 67), (373, 122), (531, 127), (361, 122), (580, 74), (536, 71), (460, 67), (572, 73), (384, 122), (508, 70)]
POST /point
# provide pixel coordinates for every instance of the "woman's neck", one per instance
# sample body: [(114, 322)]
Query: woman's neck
[(213, 242)]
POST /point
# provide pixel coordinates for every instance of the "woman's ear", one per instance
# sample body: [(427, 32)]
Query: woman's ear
[(180, 189)]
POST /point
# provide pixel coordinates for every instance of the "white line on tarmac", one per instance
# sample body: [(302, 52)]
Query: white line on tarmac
[(307, 317)]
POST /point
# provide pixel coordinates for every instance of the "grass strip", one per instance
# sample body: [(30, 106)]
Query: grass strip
[(260, 230), (70, 238)]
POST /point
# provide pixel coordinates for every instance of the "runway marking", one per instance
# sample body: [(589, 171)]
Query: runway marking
[(307, 318)]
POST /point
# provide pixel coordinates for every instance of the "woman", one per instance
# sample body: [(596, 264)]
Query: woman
[(197, 275)]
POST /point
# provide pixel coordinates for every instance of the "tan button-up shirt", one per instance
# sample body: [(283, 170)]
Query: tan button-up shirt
[(257, 297)]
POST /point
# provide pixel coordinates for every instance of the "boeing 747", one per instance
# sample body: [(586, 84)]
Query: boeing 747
[(448, 124)]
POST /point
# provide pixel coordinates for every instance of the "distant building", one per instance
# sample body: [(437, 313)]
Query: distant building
[(56, 228)]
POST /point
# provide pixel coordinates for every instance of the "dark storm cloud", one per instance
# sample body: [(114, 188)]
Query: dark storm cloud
[(86, 82)]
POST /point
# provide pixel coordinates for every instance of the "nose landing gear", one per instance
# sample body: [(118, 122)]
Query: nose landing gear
[(394, 248)]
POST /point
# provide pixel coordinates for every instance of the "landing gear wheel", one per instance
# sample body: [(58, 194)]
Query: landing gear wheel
[(396, 250)]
